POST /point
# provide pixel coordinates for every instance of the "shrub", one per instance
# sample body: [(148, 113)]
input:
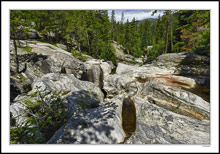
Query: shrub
[(157, 50), (45, 115), (107, 53), (177, 47), (78, 56), (26, 48), (202, 50)]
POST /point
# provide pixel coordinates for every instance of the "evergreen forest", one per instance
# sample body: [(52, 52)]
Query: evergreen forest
[(93, 31)]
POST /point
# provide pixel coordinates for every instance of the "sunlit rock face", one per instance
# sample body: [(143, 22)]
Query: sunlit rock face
[(126, 58), (96, 71)]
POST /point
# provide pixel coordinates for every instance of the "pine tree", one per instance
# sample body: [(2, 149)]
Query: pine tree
[(193, 31), (113, 25), (18, 25), (135, 40), (145, 34), (127, 42), (167, 15)]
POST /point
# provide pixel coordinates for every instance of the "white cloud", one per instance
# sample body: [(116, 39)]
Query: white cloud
[(138, 14)]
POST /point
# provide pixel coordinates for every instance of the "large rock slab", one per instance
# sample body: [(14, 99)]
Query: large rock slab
[(59, 60), (151, 70), (46, 58), (62, 46), (30, 34), (184, 63), (176, 100), (156, 125)]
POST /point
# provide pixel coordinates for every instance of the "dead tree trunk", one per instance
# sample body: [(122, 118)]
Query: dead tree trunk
[(88, 43), (166, 39), (16, 55), (171, 33)]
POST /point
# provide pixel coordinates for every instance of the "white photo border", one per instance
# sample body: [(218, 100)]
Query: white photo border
[(129, 5)]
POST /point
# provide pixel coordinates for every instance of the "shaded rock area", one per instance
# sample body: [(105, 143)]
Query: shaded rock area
[(30, 34), (101, 125), (184, 61), (76, 93)]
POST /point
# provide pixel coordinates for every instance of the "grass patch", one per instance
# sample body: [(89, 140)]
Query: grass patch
[(133, 62), (78, 56), (141, 64), (20, 76), (65, 92), (28, 49), (54, 44)]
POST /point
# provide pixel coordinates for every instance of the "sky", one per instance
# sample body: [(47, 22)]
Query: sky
[(138, 14)]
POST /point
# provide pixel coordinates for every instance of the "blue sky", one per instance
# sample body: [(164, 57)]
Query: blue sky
[(138, 14)]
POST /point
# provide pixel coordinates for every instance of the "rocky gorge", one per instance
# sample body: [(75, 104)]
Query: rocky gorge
[(166, 101)]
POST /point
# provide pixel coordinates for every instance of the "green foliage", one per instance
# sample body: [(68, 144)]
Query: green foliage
[(107, 53), (141, 64), (21, 77), (84, 105), (157, 50), (91, 32), (45, 115), (79, 56), (113, 24), (193, 29), (26, 48), (202, 50), (145, 34), (203, 43), (54, 44), (177, 47), (19, 20)]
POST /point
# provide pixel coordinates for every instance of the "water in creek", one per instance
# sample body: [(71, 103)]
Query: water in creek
[(128, 118)]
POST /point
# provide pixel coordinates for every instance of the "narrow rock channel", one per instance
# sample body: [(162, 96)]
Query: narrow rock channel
[(128, 118)]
